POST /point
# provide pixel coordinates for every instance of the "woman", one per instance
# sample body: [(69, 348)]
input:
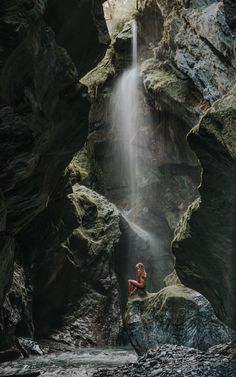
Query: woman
[(140, 281)]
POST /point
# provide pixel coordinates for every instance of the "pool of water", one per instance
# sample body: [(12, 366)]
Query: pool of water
[(81, 363)]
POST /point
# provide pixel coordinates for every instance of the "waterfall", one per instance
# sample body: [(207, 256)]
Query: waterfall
[(126, 120), (132, 132)]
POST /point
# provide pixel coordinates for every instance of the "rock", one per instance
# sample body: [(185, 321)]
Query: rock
[(68, 241), (123, 40), (175, 315), (86, 37), (168, 180), (9, 355), (179, 364), (7, 263), (43, 117), (172, 279), (196, 51), (171, 90), (230, 12), (30, 346), (205, 260), (206, 57), (17, 309), (76, 294), (24, 374)]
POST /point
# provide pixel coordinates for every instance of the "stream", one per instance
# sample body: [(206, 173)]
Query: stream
[(80, 363)]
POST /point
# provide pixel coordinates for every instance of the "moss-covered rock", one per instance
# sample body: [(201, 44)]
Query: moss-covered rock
[(172, 279), (175, 315), (172, 91)]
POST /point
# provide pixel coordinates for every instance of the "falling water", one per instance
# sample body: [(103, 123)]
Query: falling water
[(132, 130), (125, 119), (134, 46)]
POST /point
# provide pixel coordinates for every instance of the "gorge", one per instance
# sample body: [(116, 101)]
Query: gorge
[(117, 145)]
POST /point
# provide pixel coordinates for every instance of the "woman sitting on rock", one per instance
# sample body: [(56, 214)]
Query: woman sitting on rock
[(140, 281)]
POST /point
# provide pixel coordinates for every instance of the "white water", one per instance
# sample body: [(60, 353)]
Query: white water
[(126, 119), (132, 130)]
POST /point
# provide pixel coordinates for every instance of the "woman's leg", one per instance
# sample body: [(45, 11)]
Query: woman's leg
[(132, 285)]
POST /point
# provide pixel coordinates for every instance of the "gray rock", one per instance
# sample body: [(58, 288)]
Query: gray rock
[(178, 364), (175, 315)]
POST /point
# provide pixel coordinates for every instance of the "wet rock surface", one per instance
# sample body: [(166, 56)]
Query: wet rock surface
[(82, 363), (174, 315), (172, 361)]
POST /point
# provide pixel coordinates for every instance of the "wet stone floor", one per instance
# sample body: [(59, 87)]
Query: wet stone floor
[(178, 361), (166, 361), (81, 363)]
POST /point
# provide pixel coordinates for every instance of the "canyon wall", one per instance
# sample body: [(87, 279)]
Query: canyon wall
[(66, 250)]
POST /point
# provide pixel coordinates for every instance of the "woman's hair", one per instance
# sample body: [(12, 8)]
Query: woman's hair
[(141, 265)]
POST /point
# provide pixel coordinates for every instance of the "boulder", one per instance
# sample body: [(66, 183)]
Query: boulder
[(174, 315)]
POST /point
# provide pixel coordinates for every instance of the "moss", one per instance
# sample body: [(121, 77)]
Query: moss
[(172, 279), (154, 306), (183, 228), (220, 121), (101, 73)]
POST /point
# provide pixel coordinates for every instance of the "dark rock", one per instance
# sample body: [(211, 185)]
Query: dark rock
[(81, 29), (76, 294), (17, 309), (43, 121), (9, 355), (230, 13), (204, 244), (7, 263), (26, 374)]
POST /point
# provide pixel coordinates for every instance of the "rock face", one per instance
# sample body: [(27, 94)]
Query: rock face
[(76, 294), (204, 244), (175, 315), (43, 109), (194, 68), (169, 171), (60, 244), (188, 65)]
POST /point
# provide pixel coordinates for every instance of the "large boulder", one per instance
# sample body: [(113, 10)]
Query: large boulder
[(174, 315)]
